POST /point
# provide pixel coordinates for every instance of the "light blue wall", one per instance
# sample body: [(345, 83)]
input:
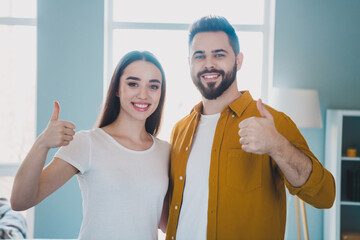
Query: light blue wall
[(70, 70), (317, 46)]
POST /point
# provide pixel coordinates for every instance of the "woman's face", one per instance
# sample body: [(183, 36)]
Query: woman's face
[(139, 90)]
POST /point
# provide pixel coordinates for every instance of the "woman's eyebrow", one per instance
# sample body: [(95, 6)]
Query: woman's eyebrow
[(155, 80), (133, 78), (138, 79)]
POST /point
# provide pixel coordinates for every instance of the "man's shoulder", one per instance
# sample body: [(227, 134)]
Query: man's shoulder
[(186, 120)]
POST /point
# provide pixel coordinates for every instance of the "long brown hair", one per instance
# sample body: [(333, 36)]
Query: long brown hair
[(111, 109)]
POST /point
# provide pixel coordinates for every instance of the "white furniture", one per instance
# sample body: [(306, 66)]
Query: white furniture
[(342, 132)]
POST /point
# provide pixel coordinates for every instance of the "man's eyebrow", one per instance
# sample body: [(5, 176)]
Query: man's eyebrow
[(214, 51), (198, 52), (219, 50)]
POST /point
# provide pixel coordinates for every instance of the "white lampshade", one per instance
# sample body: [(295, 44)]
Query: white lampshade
[(301, 105)]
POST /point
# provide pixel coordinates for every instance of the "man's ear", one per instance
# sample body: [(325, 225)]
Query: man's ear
[(239, 61)]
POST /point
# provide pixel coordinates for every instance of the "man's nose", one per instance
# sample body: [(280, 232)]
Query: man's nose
[(209, 63)]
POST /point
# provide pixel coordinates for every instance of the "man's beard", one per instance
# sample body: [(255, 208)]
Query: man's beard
[(211, 92)]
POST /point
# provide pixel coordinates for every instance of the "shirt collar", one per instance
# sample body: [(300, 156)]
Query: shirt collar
[(238, 106), (198, 108)]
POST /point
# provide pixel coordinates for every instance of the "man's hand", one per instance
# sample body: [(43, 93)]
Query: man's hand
[(258, 134)]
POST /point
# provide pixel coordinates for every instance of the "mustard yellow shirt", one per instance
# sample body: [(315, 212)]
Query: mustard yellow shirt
[(247, 197)]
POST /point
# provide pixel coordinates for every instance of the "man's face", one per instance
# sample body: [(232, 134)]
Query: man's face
[(213, 64)]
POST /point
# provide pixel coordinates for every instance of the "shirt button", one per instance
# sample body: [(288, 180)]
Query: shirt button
[(172, 237), (181, 178), (187, 148), (176, 207), (233, 115)]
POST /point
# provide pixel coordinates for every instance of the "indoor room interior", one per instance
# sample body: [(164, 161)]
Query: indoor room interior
[(66, 51)]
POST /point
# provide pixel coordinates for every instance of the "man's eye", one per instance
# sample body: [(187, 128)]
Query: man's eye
[(219, 55), (199, 57), (132, 84)]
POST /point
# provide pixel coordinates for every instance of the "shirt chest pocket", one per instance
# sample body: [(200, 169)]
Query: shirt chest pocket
[(244, 170)]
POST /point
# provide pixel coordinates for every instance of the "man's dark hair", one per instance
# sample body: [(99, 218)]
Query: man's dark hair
[(215, 24)]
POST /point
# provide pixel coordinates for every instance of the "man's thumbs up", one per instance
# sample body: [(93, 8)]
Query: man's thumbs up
[(258, 133), (262, 110), (56, 111)]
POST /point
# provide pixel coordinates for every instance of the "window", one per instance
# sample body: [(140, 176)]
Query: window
[(161, 27), (17, 89)]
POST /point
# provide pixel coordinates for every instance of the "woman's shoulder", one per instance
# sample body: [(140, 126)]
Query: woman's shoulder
[(87, 135), (89, 132), (162, 143)]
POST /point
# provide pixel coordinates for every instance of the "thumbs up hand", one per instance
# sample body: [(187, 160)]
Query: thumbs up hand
[(258, 134), (57, 133)]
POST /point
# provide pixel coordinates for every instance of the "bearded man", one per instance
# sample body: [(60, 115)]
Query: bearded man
[(232, 156)]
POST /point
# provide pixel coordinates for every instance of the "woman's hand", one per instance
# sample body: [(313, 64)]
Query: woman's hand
[(57, 133), (32, 184)]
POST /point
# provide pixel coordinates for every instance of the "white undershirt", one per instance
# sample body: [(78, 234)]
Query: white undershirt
[(193, 214)]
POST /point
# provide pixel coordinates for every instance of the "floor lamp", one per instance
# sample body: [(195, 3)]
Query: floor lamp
[(303, 107)]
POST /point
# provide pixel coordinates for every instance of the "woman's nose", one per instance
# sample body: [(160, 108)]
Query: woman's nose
[(142, 93)]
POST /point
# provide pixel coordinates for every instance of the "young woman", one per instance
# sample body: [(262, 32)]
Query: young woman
[(121, 167)]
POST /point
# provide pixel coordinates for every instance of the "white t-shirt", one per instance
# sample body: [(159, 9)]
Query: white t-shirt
[(194, 208), (123, 190)]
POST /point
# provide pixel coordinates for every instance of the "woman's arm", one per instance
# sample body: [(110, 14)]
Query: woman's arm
[(164, 214), (32, 184)]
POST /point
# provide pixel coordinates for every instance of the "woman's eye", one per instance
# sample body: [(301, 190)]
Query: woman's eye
[(154, 87), (132, 84)]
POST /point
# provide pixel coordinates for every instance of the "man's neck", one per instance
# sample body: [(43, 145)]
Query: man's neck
[(218, 104)]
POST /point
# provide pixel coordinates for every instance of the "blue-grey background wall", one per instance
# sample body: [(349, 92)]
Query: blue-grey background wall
[(316, 47), (70, 70)]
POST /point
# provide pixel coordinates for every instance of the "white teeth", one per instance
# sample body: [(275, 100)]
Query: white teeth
[(141, 105), (210, 76)]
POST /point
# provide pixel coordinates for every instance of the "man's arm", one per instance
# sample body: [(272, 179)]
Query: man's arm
[(260, 136), (294, 164)]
